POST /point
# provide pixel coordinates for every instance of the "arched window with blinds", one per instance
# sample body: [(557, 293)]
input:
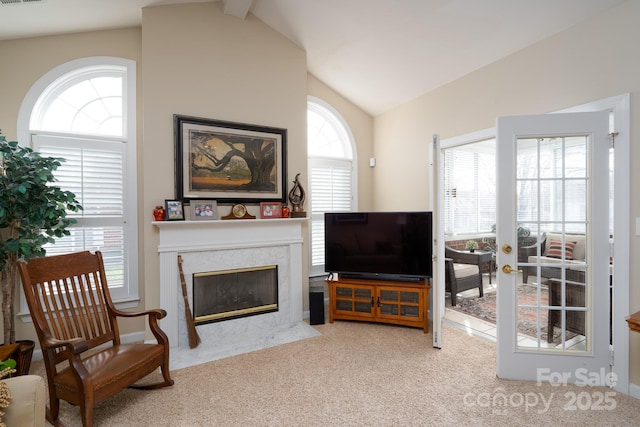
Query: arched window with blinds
[(331, 158), (84, 113)]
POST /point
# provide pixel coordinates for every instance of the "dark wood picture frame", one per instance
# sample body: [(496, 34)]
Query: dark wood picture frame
[(229, 162), (174, 209)]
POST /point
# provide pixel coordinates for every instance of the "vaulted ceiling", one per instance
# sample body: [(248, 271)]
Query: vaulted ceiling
[(377, 53)]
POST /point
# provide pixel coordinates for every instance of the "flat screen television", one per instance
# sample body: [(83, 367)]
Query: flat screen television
[(379, 245)]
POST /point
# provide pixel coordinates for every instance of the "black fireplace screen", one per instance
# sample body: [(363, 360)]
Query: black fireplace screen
[(228, 294)]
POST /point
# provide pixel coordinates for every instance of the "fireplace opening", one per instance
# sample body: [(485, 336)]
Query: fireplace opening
[(229, 294)]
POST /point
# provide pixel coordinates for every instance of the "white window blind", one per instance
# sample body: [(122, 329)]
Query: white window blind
[(470, 188), (331, 185), (94, 171), (331, 188)]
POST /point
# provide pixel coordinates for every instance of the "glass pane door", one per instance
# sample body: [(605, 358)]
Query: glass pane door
[(552, 179), (552, 229)]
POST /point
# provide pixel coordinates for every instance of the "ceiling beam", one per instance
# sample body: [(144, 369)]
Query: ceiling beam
[(237, 8)]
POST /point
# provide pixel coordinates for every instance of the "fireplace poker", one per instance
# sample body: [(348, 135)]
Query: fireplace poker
[(194, 339)]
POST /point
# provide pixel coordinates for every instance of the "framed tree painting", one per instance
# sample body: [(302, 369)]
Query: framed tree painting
[(229, 162)]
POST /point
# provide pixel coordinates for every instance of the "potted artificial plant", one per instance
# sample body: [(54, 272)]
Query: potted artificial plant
[(471, 245), (32, 213)]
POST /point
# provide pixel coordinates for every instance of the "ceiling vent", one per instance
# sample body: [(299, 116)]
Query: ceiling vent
[(10, 2)]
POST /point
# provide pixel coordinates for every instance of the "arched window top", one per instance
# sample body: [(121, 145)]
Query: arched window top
[(327, 135), (88, 101)]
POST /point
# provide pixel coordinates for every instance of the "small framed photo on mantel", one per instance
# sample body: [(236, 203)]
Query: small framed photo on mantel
[(203, 210), (270, 210), (175, 210)]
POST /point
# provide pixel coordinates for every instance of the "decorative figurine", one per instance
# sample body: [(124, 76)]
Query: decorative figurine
[(296, 196), (159, 213)]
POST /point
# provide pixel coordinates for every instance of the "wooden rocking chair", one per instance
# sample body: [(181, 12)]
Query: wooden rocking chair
[(76, 322)]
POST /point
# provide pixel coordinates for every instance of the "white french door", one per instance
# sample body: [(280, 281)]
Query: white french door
[(552, 179), (437, 281)]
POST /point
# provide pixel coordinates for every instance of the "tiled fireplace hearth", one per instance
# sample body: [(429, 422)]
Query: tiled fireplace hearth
[(209, 246)]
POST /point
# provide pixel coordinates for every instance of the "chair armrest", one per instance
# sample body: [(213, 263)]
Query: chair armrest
[(158, 313), (153, 315), (74, 348), (449, 274), (75, 345), (525, 252)]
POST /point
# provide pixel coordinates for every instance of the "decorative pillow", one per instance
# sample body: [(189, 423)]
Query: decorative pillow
[(555, 249)]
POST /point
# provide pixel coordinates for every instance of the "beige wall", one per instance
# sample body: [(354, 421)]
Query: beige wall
[(361, 126), (592, 61), (196, 61)]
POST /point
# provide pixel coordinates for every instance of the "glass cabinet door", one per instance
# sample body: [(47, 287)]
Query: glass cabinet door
[(410, 304), (400, 303), (354, 299), (388, 302)]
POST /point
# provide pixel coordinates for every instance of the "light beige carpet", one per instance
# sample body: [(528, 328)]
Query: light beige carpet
[(357, 374)]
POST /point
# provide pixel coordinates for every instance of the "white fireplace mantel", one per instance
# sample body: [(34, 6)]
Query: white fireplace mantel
[(188, 235), (222, 244)]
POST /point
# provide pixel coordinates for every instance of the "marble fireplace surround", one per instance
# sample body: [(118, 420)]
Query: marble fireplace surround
[(222, 245)]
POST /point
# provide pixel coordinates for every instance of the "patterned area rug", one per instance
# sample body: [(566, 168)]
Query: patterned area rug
[(485, 309)]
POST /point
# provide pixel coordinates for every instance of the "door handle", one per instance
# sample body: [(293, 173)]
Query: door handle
[(508, 270)]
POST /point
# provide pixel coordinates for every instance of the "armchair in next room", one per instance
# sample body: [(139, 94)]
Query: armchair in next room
[(461, 273)]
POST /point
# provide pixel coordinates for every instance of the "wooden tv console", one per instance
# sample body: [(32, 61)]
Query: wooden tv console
[(383, 301)]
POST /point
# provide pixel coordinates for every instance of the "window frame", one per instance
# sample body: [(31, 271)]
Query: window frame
[(52, 81), (455, 143), (334, 118)]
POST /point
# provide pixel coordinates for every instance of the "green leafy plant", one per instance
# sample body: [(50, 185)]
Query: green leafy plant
[(471, 245), (32, 213), (7, 364)]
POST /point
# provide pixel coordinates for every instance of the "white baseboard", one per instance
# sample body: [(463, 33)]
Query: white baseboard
[(634, 390)]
